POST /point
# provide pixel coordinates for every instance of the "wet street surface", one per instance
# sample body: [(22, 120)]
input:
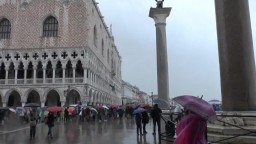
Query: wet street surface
[(117, 131)]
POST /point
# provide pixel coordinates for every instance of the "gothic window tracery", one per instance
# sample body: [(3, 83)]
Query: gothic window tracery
[(50, 27)]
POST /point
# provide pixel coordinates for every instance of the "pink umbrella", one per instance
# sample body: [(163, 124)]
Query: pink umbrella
[(113, 106), (71, 109), (54, 109), (197, 105)]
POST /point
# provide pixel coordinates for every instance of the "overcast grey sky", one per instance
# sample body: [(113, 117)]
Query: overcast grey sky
[(191, 43)]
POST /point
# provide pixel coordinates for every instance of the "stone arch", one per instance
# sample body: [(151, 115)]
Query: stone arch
[(32, 96), (73, 97), (13, 98), (52, 98), (42, 20)]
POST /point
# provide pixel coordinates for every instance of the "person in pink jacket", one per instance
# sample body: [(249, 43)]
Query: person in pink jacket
[(191, 129)]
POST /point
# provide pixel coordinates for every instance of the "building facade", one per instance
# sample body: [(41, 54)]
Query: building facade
[(57, 52)]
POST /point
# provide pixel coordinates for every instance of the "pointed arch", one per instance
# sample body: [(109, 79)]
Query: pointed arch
[(50, 27), (5, 29)]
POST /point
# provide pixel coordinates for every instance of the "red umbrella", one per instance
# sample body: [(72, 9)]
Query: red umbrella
[(54, 109), (113, 105), (71, 109), (197, 105)]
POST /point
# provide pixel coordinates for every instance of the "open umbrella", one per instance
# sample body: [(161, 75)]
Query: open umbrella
[(12, 110), (161, 101), (214, 101), (113, 106), (93, 109), (71, 109), (32, 105), (105, 107), (54, 109), (197, 105), (138, 110)]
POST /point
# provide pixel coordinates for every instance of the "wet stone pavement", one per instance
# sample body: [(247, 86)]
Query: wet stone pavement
[(117, 131)]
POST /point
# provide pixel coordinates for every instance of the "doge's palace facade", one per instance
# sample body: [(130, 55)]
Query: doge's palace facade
[(55, 53)]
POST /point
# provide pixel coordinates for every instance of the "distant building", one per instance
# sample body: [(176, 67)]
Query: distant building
[(57, 52)]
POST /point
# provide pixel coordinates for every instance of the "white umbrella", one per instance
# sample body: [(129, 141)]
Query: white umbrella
[(105, 107), (12, 110)]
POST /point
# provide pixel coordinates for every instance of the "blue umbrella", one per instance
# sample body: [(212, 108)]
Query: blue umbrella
[(161, 101), (138, 110)]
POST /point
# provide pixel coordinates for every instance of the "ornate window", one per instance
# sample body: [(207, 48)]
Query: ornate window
[(5, 29), (50, 27)]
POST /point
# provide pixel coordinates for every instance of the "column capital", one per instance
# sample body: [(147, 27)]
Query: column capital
[(159, 14)]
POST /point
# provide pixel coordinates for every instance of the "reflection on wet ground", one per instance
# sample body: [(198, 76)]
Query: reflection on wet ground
[(117, 131)]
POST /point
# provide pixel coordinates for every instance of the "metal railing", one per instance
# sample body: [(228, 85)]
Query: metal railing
[(169, 137), (248, 132)]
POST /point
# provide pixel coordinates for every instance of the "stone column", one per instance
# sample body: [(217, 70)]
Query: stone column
[(44, 74), (53, 74), (16, 75), (63, 75), (23, 104), (25, 75), (6, 75), (4, 104), (85, 75), (42, 104), (159, 15), (34, 68), (236, 58), (74, 74)]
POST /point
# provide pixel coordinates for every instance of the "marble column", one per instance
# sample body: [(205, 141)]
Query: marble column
[(34, 79), (159, 15), (25, 75), (16, 75), (44, 74), (74, 74), (6, 75), (236, 56)]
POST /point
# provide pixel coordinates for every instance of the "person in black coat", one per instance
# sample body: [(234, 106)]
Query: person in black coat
[(50, 123), (156, 116), (145, 120)]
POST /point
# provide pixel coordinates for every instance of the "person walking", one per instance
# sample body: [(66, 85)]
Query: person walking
[(138, 119), (32, 126), (66, 116), (156, 116), (191, 129), (50, 123), (145, 120)]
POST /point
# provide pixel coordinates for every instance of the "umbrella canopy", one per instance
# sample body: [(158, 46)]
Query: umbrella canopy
[(113, 106), (12, 110), (105, 107), (71, 109), (197, 105), (32, 105), (160, 101), (131, 105), (4, 108), (93, 109), (54, 109), (138, 110), (214, 101)]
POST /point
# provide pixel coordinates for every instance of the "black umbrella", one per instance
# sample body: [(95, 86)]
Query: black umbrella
[(32, 105)]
